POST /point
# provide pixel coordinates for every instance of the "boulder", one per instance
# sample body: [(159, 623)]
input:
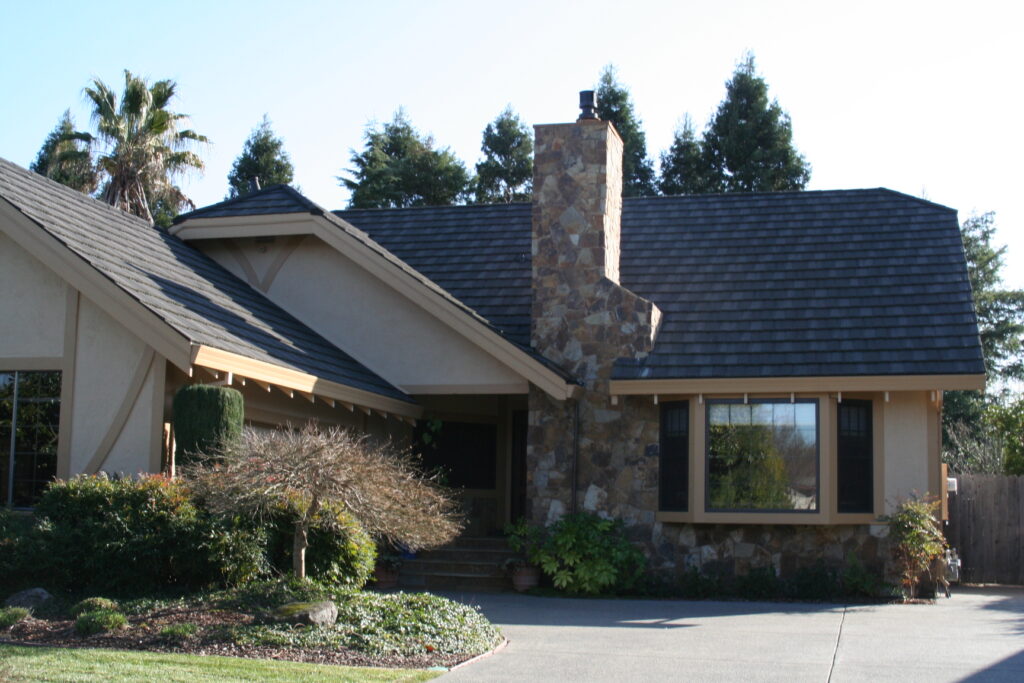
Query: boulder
[(31, 598), (323, 613)]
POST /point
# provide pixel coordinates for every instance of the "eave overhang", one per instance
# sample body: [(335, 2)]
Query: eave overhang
[(648, 387)]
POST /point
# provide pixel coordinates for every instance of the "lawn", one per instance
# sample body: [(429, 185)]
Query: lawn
[(84, 664)]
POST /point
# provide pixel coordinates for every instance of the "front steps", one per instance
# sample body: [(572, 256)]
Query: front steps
[(468, 564)]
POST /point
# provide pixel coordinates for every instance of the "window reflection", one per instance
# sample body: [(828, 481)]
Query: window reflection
[(29, 421), (762, 455)]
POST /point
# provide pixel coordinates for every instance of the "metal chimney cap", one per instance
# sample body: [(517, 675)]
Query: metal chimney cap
[(588, 105)]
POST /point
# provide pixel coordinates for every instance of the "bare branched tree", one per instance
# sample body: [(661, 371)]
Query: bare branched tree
[(310, 469)]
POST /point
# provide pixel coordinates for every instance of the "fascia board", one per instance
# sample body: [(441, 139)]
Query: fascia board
[(647, 387)]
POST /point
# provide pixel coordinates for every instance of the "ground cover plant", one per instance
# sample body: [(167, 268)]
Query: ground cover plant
[(373, 629)]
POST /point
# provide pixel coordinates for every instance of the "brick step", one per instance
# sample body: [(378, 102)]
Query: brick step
[(451, 554), (452, 582), (456, 567)]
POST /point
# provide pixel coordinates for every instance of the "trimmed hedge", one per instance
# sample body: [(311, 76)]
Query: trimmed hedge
[(206, 419), (130, 536)]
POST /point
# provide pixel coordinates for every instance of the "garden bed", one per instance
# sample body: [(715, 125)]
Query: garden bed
[(415, 630)]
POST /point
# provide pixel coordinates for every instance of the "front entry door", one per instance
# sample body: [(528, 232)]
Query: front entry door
[(466, 455)]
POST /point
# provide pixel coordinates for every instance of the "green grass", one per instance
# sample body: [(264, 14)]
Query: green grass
[(58, 664)]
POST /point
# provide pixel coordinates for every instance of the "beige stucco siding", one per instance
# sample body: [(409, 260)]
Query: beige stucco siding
[(118, 389), (909, 446), (367, 318), (32, 300)]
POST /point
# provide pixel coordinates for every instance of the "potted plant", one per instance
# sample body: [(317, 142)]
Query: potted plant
[(524, 538), (385, 573)]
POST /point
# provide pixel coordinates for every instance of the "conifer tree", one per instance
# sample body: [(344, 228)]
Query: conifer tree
[(748, 145), (682, 166), (262, 158), (615, 105), (66, 157), (400, 168), (506, 172)]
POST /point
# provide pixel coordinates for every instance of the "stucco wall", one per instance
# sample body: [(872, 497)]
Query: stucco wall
[(112, 382), (31, 305), (908, 446), (368, 319)]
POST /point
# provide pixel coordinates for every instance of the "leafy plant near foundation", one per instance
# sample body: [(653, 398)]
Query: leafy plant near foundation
[(99, 621), (584, 553), (859, 581), (915, 540)]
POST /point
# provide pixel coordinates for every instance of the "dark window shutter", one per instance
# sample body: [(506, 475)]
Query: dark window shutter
[(855, 449), (674, 457)]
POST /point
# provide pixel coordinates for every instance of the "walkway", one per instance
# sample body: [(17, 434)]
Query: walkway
[(978, 635)]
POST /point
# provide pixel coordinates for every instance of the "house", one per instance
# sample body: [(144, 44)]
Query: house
[(745, 379)]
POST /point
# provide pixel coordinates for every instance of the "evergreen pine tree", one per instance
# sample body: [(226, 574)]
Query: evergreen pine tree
[(506, 172), (67, 157), (748, 146), (682, 166), (399, 168), (263, 157), (615, 105)]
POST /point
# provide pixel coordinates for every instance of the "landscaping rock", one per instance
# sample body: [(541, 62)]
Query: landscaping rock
[(31, 598), (323, 613)]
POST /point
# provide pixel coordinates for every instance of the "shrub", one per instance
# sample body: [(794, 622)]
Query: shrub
[(16, 564), (134, 535), (859, 581), (698, 586), (206, 419), (340, 554), (9, 616), (760, 583), (584, 553), (915, 540), (817, 582), (99, 621), (94, 604)]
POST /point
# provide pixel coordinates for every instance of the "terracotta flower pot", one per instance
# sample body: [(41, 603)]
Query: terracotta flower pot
[(525, 578)]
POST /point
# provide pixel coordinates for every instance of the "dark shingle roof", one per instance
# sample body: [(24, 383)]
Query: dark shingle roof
[(856, 282), (190, 292), (272, 199)]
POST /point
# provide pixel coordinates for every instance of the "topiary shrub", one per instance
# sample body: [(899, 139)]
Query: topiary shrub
[(206, 419), (132, 535), (584, 553), (99, 621), (340, 554)]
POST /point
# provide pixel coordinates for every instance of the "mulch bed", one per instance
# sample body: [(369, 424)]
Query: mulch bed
[(143, 633)]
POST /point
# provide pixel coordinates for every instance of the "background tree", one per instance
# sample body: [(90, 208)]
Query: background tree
[(506, 172), (310, 471), (615, 105), (143, 148), (262, 157), (682, 166), (400, 168), (748, 145), (66, 157), (977, 425)]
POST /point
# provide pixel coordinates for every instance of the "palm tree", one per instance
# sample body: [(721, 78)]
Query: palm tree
[(143, 147)]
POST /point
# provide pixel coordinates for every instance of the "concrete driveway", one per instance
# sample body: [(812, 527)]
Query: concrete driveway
[(977, 635)]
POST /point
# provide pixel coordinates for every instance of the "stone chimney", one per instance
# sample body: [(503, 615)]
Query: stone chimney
[(584, 320), (577, 218)]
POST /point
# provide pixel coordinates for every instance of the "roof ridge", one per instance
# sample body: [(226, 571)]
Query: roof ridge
[(263, 191)]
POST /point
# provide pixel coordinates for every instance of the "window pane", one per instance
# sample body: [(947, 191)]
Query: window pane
[(764, 457), (855, 455), (674, 457), (34, 422)]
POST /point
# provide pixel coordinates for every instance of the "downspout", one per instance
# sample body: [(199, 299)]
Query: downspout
[(575, 450)]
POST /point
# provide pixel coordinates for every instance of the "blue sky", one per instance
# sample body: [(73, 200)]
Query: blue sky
[(920, 97)]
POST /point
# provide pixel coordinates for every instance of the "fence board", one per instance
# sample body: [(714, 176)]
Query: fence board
[(985, 525)]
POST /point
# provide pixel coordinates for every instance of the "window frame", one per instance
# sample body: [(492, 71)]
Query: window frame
[(9, 450)]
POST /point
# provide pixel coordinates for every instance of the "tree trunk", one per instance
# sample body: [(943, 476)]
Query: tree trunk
[(299, 550)]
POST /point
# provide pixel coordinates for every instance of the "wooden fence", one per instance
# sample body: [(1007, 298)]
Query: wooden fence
[(986, 526)]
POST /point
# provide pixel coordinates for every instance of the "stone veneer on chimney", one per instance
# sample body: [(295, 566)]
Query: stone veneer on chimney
[(583, 320)]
